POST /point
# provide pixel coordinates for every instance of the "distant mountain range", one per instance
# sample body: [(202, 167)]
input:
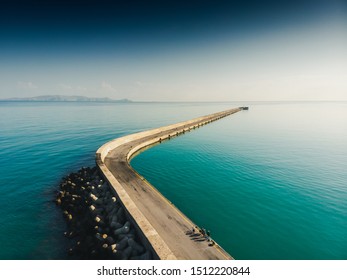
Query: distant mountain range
[(66, 98)]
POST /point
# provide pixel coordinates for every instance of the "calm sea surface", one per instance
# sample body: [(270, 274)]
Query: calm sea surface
[(269, 183)]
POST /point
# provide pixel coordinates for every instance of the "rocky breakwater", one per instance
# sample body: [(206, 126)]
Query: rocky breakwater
[(96, 221)]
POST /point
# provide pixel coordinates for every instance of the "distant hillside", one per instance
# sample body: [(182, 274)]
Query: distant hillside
[(65, 98)]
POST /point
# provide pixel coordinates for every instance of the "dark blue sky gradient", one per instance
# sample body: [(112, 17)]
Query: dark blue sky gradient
[(174, 50), (31, 26)]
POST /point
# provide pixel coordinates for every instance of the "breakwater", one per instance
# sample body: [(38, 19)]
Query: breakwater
[(167, 232), (97, 225)]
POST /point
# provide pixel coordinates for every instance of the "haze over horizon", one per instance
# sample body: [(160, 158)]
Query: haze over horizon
[(175, 51)]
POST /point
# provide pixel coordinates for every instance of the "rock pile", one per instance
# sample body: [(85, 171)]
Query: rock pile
[(97, 224)]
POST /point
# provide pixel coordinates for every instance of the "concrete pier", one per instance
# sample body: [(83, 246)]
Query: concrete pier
[(160, 224)]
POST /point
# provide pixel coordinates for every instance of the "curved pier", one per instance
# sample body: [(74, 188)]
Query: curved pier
[(160, 224)]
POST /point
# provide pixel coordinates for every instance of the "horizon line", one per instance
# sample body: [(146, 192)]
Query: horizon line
[(169, 101)]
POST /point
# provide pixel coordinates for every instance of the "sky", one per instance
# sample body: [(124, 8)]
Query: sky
[(175, 50)]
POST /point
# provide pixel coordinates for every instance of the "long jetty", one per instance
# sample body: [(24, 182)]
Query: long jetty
[(161, 226)]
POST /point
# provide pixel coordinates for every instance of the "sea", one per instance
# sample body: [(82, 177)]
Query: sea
[(269, 183)]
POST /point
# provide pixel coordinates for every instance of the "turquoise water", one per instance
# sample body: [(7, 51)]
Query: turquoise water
[(270, 183)]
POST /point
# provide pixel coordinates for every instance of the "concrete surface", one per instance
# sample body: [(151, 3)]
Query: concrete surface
[(159, 221)]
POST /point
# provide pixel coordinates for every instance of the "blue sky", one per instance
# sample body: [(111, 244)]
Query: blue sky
[(177, 51)]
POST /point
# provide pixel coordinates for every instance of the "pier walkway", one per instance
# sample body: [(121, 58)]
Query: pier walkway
[(163, 226)]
